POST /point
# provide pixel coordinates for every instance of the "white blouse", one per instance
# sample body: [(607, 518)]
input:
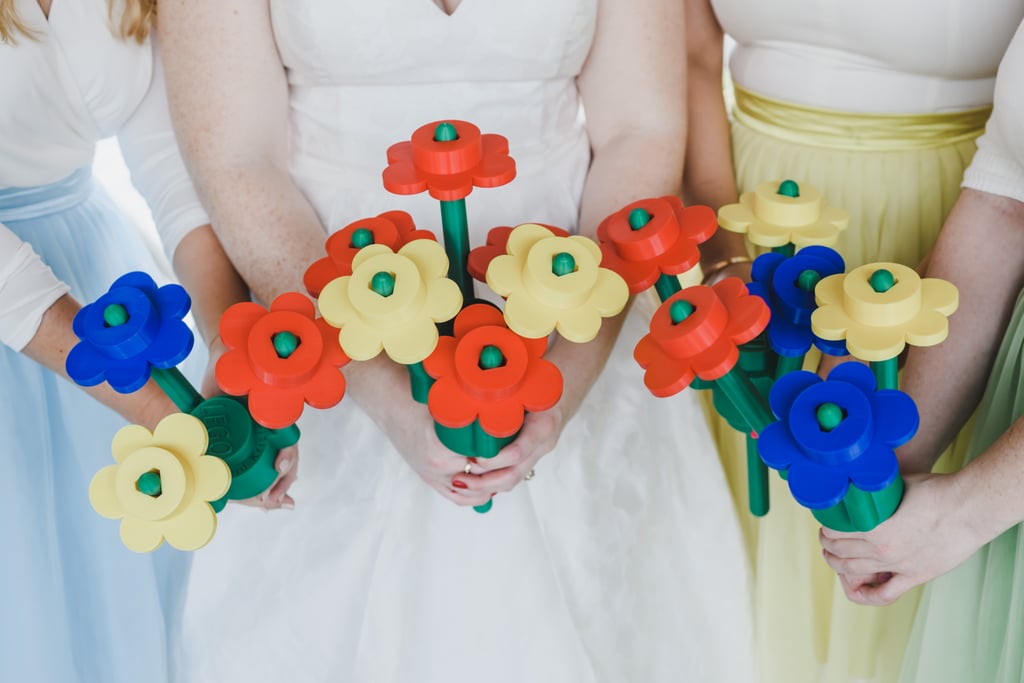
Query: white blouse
[(72, 85), (870, 56), (998, 166)]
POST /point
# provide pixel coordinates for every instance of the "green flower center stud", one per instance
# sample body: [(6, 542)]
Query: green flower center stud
[(882, 280), (563, 263), (361, 237), (789, 188), (445, 132), (285, 344), (638, 218), (680, 311), (383, 283), (807, 280), (115, 315), (829, 416), (149, 484), (491, 357)]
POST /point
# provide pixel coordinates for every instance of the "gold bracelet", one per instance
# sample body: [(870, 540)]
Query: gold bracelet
[(719, 266)]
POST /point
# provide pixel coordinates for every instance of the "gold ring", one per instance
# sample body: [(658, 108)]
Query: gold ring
[(469, 468), (529, 476)]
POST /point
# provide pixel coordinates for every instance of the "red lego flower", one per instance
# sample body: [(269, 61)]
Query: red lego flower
[(487, 372), (654, 236), (392, 228), (282, 359), (448, 158), (696, 333), (497, 241)]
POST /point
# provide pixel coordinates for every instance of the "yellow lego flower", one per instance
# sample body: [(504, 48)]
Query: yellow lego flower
[(552, 281), (878, 308), (161, 485), (392, 301), (779, 212)]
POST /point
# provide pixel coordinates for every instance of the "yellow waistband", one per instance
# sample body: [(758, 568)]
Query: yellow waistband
[(860, 132)]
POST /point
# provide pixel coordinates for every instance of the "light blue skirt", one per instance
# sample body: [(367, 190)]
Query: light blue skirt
[(75, 605)]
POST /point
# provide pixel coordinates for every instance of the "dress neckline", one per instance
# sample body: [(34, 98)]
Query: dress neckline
[(440, 6)]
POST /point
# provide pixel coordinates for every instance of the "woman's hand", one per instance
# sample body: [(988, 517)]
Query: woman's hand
[(932, 532), (516, 461), (411, 432)]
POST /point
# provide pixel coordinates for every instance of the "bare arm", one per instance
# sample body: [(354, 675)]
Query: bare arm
[(709, 177), (633, 87), (231, 114), (944, 519), (50, 347), (947, 380)]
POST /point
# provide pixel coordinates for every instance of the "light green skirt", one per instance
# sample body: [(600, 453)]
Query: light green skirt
[(970, 624)]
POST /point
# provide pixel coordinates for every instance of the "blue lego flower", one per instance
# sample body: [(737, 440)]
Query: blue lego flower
[(835, 432), (133, 327), (787, 285)]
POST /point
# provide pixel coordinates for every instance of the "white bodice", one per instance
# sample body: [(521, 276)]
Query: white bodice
[(72, 86), (872, 56), (354, 93)]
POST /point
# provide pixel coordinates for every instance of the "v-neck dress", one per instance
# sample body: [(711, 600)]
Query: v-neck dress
[(619, 561)]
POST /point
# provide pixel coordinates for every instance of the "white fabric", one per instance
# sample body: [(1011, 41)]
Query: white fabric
[(77, 84), (998, 167), (27, 289), (872, 56), (620, 561)]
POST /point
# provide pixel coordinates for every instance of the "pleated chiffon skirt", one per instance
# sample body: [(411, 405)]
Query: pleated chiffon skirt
[(75, 605)]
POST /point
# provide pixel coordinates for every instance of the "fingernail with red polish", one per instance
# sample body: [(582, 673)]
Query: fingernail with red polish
[(459, 484)]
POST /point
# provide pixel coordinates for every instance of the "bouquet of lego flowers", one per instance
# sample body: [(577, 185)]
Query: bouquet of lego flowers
[(833, 440)]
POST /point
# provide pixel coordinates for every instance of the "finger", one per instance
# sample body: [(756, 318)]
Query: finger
[(286, 459), (537, 437), (854, 582), (463, 499), (846, 547), (501, 480), (849, 567), (281, 487), (886, 592)]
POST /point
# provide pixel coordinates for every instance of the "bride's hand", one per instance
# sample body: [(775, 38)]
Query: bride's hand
[(516, 461), (414, 437)]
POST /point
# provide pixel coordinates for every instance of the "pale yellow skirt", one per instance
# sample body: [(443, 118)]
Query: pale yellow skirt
[(898, 176)]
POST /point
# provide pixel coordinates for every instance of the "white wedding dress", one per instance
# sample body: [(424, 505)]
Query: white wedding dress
[(620, 561)]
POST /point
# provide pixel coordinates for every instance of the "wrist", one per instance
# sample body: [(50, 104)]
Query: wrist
[(979, 505)]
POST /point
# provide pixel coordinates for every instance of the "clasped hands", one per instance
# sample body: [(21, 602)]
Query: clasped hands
[(446, 471), (935, 529)]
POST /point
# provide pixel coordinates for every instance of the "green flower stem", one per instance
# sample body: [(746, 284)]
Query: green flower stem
[(485, 507), (786, 249), (861, 506), (455, 228), (667, 285), (757, 479), (788, 364), (742, 393), (178, 389), (862, 510), (886, 373), (738, 388), (419, 382)]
